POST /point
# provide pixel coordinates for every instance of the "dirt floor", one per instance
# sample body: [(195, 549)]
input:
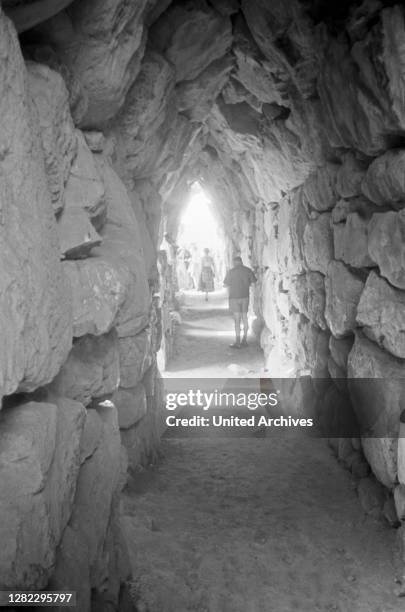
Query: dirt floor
[(202, 348), (253, 524)]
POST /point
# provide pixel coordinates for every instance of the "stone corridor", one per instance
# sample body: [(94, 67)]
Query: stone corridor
[(249, 524), (254, 525), (289, 116)]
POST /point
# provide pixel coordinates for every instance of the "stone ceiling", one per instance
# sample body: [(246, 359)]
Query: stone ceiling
[(254, 94)]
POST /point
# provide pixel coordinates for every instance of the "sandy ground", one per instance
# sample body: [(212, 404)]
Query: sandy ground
[(202, 347), (252, 524)]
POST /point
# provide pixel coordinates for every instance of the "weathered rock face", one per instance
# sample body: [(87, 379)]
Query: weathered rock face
[(295, 127), (378, 402), (103, 44), (343, 290), (196, 97), (59, 142), (386, 245), (320, 188), (61, 199), (381, 312), (351, 240), (91, 370), (44, 440), (318, 243), (131, 406), (384, 180), (345, 74), (35, 301), (191, 38), (308, 296), (350, 176), (84, 187), (77, 236)]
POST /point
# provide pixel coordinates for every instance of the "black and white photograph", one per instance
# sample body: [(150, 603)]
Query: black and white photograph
[(202, 305)]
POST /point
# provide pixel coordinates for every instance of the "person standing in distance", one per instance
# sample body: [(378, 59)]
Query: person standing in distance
[(207, 275), (238, 281)]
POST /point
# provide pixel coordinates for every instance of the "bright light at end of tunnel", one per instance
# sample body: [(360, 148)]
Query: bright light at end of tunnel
[(198, 225)]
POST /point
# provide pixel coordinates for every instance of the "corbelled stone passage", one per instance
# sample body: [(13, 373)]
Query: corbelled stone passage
[(291, 115)]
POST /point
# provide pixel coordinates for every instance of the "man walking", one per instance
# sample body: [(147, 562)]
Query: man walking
[(238, 281)]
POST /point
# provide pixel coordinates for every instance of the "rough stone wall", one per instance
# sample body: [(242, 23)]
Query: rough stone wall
[(303, 154), (292, 116), (82, 396), (328, 224)]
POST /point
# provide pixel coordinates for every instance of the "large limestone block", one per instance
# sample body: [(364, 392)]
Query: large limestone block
[(343, 291), (110, 288), (320, 188), (318, 243), (39, 463), (350, 176), (340, 349), (35, 306), (384, 182), (269, 22), (235, 93), (287, 235), (272, 316), (26, 15), (122, 249), (91, 370), (381, 312), (131, 405), (88, 559), (152, 207), (91, 435), (282, 298), (308, 296), (98, 292), (253, 71), (191, 37), (44, 53), (98, 482), (102, 42), (163, 150), (197, 97), (387, 245), (381, 453), (355, 86), (147, 101), (113, 593), (77, 235), (278, 164), (393, 22), (71, 572), (85, 188), (312, 347), (360, 205), (148, 246), (351, 241), (135, 357), (51, 99), (62, 479), (142, 441), (378, 400)]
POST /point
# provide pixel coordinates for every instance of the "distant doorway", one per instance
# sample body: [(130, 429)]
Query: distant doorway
[(199, 230)]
